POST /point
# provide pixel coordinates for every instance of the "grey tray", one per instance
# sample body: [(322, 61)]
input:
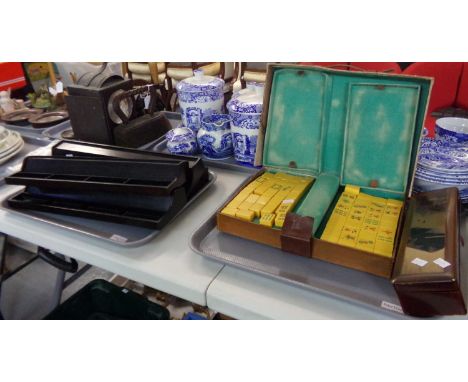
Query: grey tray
[(30, 130), (229, 163), (119, 234), (33, 145), (55, 132), (326, 278)]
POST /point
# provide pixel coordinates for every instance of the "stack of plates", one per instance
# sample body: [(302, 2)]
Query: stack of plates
[(11, 144), (442, 164)]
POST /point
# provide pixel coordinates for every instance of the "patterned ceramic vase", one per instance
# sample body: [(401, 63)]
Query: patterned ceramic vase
[(245, 111), (181, 140), (214, 137), (199, 96)]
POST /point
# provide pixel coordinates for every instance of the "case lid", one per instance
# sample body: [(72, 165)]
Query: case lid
[(428, 255), (362, 127)]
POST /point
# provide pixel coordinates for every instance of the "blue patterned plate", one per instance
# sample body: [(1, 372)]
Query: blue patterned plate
[(443, 158)]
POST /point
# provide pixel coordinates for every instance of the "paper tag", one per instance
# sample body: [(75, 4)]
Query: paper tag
[(125, 291), (59, 87), (118, 238), (69, 155), (288, 201), (147, 101), (419, 262), (441, 263), (390, 306)]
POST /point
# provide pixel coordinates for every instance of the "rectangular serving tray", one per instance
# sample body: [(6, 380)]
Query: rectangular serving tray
[(229, 163), (55, 132), (319, 276), (119, 234), (29, 129)]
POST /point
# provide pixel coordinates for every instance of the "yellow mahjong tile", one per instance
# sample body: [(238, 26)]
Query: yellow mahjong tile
[(267, 195), (260, 190), (256, 208), (348, 236), (284, 207), (248, 202), (384, 241), (334, 227), (366, 238), (352, 190), (239, 198), (280, 218), (245, 215), (390, 216), (229, 211), (267, 220), (276, 200), (372, 218)]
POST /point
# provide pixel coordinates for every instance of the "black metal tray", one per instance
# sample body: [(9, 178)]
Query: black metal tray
[(122, 235), (105, 175)]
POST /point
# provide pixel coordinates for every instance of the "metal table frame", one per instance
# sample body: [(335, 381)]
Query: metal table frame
[(60, 282)]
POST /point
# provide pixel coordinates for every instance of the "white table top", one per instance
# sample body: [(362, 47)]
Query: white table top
[(166, 263)]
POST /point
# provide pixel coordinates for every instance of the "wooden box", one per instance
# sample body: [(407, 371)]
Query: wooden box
[(426, 275)]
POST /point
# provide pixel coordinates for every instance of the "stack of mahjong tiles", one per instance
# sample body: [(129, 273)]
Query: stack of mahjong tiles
[(364, 222), (268, 198)]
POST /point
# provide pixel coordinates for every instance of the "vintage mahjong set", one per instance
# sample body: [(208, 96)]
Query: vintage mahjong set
[(338, 150)]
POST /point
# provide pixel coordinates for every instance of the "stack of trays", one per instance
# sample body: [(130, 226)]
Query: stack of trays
[(442, 164), (11, 144), (124, 186)]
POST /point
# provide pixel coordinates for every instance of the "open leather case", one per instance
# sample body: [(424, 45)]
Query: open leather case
[(344, 128)]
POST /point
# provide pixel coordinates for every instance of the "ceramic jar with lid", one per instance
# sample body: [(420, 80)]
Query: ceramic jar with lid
[(249, 89), (214, 137), (245, 111), (181, 140), (200, 96)]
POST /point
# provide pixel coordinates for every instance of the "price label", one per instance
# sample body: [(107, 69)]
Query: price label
[(118, 238)]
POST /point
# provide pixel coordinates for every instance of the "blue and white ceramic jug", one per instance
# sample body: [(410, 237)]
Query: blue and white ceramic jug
[(181, 140), (245, 111), (200, 96), (214, 137)]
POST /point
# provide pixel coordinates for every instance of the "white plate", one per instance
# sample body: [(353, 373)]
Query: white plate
[(12, 148), (12, 154), (10, 142)]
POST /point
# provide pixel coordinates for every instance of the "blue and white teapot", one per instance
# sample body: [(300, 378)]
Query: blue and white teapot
[(200, 96), (245, 111)]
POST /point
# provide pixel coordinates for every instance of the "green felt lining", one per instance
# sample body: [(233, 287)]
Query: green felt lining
[(319, 198), (360, 127)]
